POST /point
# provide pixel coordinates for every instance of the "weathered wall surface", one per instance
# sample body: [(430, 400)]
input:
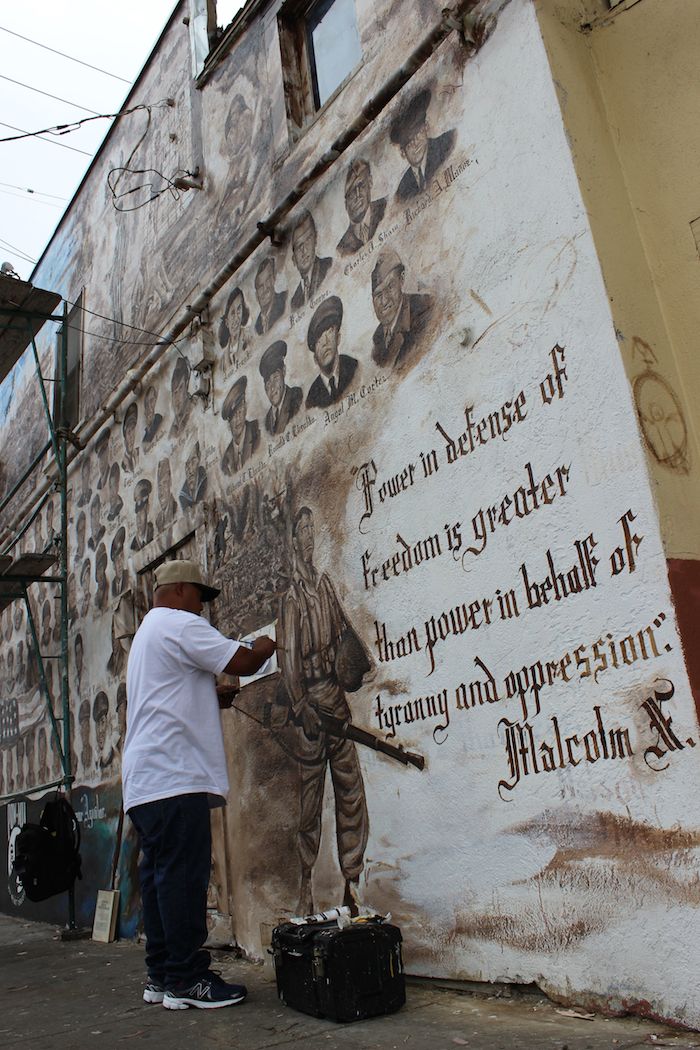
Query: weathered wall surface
[(457, 541)]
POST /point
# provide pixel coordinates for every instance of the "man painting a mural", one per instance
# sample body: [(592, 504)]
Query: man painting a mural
[(173, 772), (321, 658)]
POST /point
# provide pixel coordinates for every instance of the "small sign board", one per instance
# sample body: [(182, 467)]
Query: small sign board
[(105, 924)]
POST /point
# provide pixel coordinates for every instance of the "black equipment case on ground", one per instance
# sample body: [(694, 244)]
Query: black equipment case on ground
[(342, 974)]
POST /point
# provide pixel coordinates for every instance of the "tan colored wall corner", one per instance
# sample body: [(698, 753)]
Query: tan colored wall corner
[(626, 84)]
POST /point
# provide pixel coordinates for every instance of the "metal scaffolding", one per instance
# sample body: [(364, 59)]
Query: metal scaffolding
[(24, 310)]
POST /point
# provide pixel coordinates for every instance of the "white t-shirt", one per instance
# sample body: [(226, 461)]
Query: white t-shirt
[(174, 744)]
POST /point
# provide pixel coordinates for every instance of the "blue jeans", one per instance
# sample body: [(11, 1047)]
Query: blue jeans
[(175, 839)]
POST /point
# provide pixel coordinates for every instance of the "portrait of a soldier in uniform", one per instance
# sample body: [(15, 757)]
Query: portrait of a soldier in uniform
[(86, 753), (72, 598), (336, 370), (102, 453), (78, 662), (144, 527), (120, 583), (85, 584), (272, 303), (80, 530), (180, 398), (116, 503), (85, 488), (285, 401), (364, 214), (194, 487), (153, 419), (245, 433), (402, 317), (233, 337), (316, 637), (17, 616), (100, 716), (97, 529), (42, 756), (130, 459), (102, 588), (167, 507), (313, 270), (424, 155), (46, 626)]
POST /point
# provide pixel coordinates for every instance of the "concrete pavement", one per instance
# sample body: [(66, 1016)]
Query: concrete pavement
[(71, 995)]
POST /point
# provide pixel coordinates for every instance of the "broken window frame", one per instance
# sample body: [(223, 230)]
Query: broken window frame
[(296, 21)]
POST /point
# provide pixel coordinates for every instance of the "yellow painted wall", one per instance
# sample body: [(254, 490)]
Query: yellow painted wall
[(627, 85)]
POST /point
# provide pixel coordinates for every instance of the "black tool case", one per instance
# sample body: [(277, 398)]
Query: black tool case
[(342, 974)]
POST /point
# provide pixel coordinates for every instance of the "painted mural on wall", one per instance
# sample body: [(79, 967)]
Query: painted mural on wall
[(399, 466)]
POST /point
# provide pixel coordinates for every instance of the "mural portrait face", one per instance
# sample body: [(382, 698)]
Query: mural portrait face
[(179, 395), (100, 714), (103, 458), (192, 468), (274, 387), (387, 297), (95, 515), (85, 586), (413, 150), (265, 285), (114, 483), (304, 244), (78, 649), (130, 423), (17, 616), (304, 539), (164, 483), (84, 480), (237, 420), (235, 314), (149, 405), (358, 193), (326, 350), (80, 527)]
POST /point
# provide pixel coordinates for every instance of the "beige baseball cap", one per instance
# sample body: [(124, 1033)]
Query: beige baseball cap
[(183, 571)]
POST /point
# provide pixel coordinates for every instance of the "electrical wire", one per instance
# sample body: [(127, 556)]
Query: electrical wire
[(63, 55), (124, 324), (36, 134), (24, 189), (29, 87), (135, 189), (18, 251), (65, 129), (32, 200)]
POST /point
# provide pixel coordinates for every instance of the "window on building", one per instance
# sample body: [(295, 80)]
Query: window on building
[(68, 413), (320, 49)]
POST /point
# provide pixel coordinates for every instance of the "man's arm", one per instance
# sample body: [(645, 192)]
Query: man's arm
[(247, 661)]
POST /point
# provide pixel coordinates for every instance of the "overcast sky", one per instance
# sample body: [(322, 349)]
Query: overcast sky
[(116, 38)]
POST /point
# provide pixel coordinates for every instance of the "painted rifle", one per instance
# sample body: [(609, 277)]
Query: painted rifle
[(344, 730)]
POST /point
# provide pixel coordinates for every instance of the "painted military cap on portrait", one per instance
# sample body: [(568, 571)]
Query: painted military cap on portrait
[(328, 315), (273, 359), (234, 397)]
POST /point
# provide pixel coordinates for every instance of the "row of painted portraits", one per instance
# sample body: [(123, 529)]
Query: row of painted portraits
[(114, 511)]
